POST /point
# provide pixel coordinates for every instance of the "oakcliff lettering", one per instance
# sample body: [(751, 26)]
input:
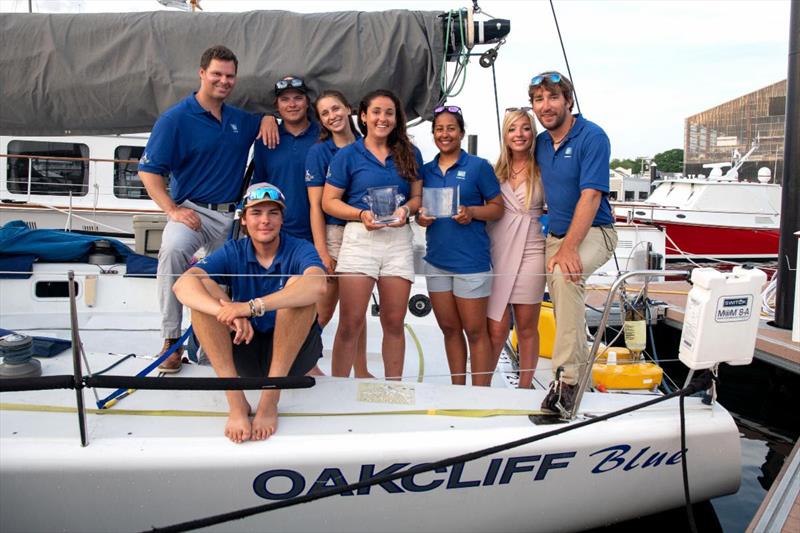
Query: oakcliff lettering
[(283, 484)]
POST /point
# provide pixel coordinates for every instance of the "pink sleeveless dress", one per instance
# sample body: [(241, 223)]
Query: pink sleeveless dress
[(517, 252)]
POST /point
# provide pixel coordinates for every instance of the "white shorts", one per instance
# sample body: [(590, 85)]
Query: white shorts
[(383, 252), (333, 239)]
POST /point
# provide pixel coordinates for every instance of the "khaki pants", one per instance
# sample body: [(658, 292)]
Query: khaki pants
[(570, 349)]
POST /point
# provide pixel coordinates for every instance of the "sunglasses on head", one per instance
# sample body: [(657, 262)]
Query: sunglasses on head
[(294, 83), (524, 109), (537, 80), (449, 108), (264, 192)]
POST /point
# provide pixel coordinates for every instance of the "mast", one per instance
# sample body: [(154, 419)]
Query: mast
[(790, 215)]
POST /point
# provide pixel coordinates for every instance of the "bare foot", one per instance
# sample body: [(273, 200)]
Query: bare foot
[(364, 374), (265, 421), (238, 427)]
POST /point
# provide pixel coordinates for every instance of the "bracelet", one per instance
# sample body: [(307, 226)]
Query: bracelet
[(252, 305), (262, 307), (359, 215), (408, 210)]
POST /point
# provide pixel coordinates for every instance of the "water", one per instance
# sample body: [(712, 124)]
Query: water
[(762, 399)]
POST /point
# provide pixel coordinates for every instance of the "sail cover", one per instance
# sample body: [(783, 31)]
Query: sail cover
[(89, 74)]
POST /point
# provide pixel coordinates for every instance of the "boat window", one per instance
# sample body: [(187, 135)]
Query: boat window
[(54, 289), (126, 173), (629, 196), (62, 170)]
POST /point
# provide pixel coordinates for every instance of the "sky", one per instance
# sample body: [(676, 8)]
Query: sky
[(640, 67)]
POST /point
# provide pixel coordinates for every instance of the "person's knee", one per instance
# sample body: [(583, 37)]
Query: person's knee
[(476, 331), (450, 329)]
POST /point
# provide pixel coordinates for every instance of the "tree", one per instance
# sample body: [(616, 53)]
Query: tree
[(669, 161), (630, 164)]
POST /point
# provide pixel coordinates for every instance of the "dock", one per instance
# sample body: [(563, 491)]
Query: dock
[(780, 510), (773, 345)]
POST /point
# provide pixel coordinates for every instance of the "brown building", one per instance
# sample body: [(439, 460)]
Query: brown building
[(712, 135)]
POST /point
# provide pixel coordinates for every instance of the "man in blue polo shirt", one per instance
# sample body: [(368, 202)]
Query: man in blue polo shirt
[(202, 145), (285, 165), (269, 327), (573, 156)]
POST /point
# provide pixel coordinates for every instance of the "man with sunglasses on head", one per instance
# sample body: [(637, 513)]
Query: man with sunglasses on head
[(573, 156), (202, 144), (285, 165), (268, 326)]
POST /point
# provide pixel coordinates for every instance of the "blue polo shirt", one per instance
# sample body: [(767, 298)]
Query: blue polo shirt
[(459, 248), (317, 162), (205, 157), (355, 170), (235, 265), (581, 162), (285, 167)]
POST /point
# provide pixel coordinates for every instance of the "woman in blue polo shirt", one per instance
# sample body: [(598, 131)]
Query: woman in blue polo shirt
[(337, 130), (381, 253), (458, 259)]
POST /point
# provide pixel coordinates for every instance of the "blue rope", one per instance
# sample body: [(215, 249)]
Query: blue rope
[(119, 392)]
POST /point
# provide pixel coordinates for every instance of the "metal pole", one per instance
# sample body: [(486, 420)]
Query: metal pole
[(586, 373), (790, 217), (76, 358), (472, 144)]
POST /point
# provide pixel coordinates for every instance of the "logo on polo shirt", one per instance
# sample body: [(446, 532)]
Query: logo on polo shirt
[(461, 175), (309, 176), (328, 175), (145, 159), (235, 128), (568, 152)]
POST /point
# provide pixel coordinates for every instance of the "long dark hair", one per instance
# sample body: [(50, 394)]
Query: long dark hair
[(325, 133), (398, 141)]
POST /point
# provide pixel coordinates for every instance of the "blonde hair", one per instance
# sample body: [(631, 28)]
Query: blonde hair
[(503, 166)]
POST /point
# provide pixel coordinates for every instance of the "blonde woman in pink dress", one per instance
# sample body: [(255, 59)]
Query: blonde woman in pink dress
[(518, 245)]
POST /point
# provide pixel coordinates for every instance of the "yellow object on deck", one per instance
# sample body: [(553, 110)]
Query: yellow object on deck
[(547, 331), (634, 376)]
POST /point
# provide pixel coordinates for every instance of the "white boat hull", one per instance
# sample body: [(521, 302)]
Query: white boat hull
[(160, 457)]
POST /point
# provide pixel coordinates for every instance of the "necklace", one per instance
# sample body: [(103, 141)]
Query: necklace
[(515, 173), (556, 143)]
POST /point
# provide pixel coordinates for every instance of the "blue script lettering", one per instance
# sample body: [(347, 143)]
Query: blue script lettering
[(615, 456)]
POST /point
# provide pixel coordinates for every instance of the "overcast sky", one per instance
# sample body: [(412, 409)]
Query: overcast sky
[(640, 66)]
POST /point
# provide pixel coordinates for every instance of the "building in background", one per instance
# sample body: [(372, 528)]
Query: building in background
[(715, 135)]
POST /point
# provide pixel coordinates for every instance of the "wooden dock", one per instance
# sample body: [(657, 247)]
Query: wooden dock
[(773, 345)]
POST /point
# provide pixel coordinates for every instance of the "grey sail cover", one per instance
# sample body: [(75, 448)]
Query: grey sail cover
[(116, 73)]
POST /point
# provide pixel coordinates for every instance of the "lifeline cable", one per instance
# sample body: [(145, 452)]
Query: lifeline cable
[(700, 382)]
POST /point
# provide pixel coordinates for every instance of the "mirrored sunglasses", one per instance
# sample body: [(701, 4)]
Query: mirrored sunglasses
[(537, 80), (448, 108), (294, 83), (524, 109), (265, 192)]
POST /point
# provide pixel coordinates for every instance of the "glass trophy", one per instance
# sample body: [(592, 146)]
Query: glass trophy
[(440, 202), (383, 202)]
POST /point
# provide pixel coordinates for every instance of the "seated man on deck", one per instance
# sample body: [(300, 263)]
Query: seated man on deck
[(269, 328)]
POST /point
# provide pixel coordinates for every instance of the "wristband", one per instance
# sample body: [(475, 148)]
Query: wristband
[(359, 215)]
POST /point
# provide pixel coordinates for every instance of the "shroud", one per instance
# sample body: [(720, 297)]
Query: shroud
[(90, 74)]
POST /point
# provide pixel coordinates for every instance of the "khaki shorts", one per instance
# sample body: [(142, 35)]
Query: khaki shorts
[(383, 252), (467, 286), (333, 239)]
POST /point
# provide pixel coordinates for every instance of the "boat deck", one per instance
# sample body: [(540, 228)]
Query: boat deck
[(773, 345)]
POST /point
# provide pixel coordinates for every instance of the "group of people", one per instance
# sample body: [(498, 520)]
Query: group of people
[(306, 217)]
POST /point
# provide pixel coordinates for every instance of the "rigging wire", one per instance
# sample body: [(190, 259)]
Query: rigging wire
[(564, 52)]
